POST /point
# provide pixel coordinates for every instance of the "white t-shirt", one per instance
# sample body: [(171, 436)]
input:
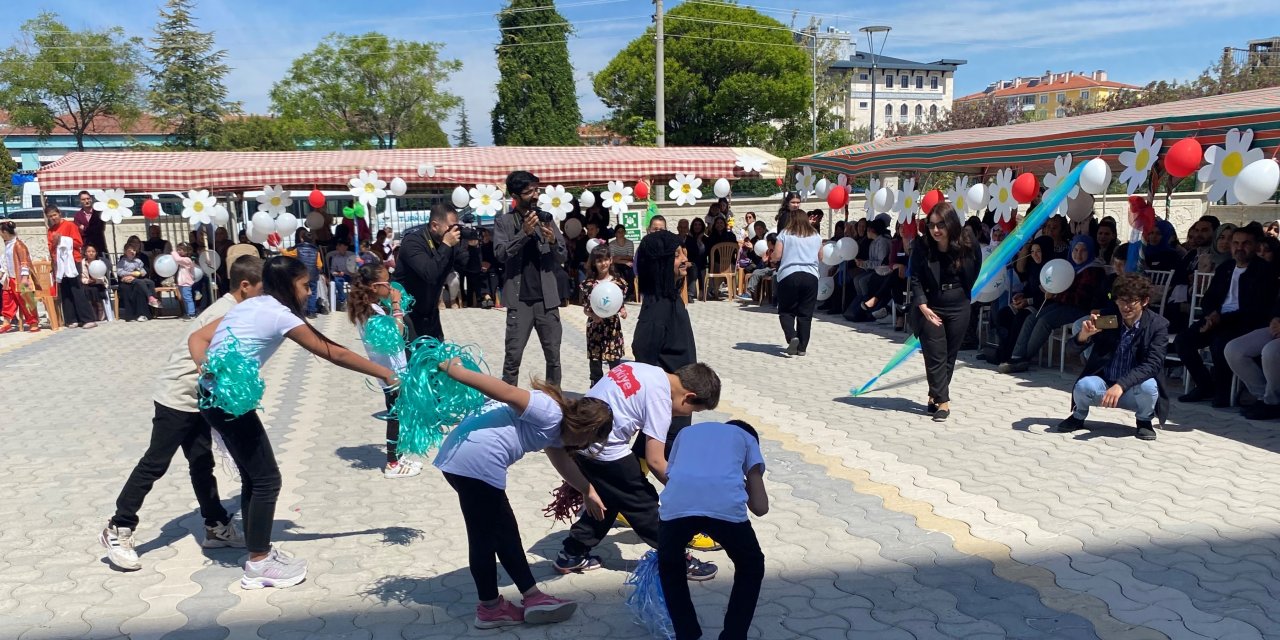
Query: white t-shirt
[(176, 388), (706, 475), (259, 324), (799, 255), (1232, 301), (640, 397), (484, 446), (395, 362)]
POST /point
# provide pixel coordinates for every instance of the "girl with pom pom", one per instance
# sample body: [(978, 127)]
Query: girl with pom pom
[(374, 307), (475, 458), (255, 329)]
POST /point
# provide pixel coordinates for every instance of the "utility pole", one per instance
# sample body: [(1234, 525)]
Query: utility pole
[(815, 87), (660, 88)]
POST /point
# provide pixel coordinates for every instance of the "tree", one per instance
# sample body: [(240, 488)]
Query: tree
[(354, 91), (56, 78), (424, 135), (7, 168), (464, 129), (1225, 76), (255, 133), (187, 90), (537, 101), (725, 83)]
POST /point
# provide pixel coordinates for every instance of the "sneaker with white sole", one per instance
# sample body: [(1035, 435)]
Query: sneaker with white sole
[(222, 535), (119, 544), (541, 608), (273, 571), (403, 469), (502, 614)]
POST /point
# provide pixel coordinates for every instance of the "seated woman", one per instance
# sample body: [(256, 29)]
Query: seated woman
[(137, 291), (1087, 292)]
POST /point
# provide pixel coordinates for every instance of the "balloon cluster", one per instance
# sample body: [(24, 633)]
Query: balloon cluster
[(430, 401), (236, 387), (647, 603)]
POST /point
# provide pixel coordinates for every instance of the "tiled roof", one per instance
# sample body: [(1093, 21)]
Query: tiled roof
[(101, 126), (1073, 82)]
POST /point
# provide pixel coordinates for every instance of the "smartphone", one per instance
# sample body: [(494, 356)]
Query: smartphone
[(1107, 322)]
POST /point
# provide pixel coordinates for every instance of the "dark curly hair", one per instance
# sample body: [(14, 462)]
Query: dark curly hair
[(1131, 286)]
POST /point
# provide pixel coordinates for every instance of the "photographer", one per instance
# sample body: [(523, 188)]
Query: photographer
[(427, 255), (531, 249)]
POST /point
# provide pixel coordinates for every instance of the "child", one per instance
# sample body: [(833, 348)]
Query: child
[(260, 325), (341, 263), (705, 492), (137, 292), (475, 458), (185, 277), (604, 335), (309, 255), (177, 423), (369, 289), (95, 289)]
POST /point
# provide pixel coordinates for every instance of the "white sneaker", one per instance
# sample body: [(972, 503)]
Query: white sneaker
[(119, 544), (142, 318), (405, 469), (222, 535), (273, 571)]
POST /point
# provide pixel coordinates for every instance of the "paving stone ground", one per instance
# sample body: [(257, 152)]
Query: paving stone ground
[(883, 524)]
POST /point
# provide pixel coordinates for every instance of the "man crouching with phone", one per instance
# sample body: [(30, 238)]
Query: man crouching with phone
[(1124, 367)]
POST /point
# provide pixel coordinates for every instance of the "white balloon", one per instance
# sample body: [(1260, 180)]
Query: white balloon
[(461, 197), (572, 228), (98, 269), (976, 198), (606, 299), (847, 247), (286, 224), (196, 274), (826, 287), (1057, 275), (1080, 207), (398, 187), (995, 288), (884, 199), (451, 281), (263, 222), (762, 247), (1096, 177), (721, 188), (1257, 182), (220, 215), (821, 188), (587, 199), (165, 266), (592, 244), (210, 260), (315, 220), (257, 235), (831, 254)]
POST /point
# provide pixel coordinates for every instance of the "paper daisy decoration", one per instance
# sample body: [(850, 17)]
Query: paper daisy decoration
[(198, 206), (274, 200), (872, 187), (684, 188), (368, 189), (1138, 163), (1225, 164), (486, 199), (556, 201), (426, 171), (958, 196), (908, 200), (1001, 199), (1061, 167), (749, 164), (805, 181), (617, 197), (113, 206)]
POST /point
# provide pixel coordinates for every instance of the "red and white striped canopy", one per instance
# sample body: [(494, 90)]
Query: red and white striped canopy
[(238, 171)]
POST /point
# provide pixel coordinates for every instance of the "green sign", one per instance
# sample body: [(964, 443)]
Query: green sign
[(631, 220)]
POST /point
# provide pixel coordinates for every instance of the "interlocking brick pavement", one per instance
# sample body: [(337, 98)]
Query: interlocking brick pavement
[(883, 524)]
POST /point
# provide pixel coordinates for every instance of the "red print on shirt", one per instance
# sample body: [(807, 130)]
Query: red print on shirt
[(625, 378)]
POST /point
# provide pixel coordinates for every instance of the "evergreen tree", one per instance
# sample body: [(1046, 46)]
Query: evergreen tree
[(464, 129), (7, 168), (187, 89), (537, 100)]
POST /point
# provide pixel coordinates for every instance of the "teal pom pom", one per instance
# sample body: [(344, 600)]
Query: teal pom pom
[(236, 387), (383, 336), (430, 402), (648, 605), (406, 298)]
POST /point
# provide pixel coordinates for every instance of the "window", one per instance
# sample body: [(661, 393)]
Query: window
[(1062, 98), (888, 113), (862, 105), (902, 114), (933, 112), (933, 82), (1029, 100), (1060, 113), (919, 82), (905, 82), (1084, 95), (919, 113), (863, 77), (888, 81), (1044, 98)]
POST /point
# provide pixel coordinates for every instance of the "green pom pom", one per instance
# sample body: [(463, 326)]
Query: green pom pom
[(383, 336), (430, 402), (237, 386), (406, 298)]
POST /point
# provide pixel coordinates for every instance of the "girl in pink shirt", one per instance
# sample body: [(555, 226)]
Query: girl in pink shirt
[(185, 278)]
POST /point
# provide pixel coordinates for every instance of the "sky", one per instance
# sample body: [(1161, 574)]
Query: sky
[(1130, 39)]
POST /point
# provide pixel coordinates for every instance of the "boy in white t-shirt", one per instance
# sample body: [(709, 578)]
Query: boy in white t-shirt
[(715, 475), (643, 398)]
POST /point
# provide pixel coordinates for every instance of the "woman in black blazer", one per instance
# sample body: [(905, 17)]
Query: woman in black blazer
[(944, 266)]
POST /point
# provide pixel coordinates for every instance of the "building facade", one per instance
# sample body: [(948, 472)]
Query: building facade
[(31, 150), (905, 91), (1046, 96)]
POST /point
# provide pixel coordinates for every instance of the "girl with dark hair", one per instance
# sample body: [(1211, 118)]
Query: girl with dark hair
[(720, 233), (259, 325), (790, 204), (1107, 239), (605, 343), (695, 249), (943, 271), (797, 280)]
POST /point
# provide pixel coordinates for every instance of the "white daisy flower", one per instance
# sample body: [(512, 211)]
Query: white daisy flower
[(959, 195), (426, 170), (1224, 164), (1000, 196), (617, 197), (908, 200), (750, 164), (198, 207), (1061, 167), (368, 189), (1138, 163), (113, 206), (684, 188), (274, 200), (486, 199), (556, 201), (805, 181), (870, 207)]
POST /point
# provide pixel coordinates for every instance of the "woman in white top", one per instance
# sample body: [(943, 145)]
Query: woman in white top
[(260, 325), (797, 280)]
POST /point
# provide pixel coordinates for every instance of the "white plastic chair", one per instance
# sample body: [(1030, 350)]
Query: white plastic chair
[(1161, 282)]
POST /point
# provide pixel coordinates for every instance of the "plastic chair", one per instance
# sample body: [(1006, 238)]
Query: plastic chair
[(723, 266), (1161, 282), (42, 277)]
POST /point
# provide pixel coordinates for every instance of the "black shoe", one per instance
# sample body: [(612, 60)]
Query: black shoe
[(566, 564), (793, 347), (1197, 395), (342, 306), (1072, 423), (1014, 366), (1145, 431), (931, 408), (1262, 411), (941, 415)]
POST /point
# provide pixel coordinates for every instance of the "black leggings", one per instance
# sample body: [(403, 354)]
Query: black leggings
[(597, 369), (797, 296), (739, 542), (491, 531), (393, 427), (248, 445)]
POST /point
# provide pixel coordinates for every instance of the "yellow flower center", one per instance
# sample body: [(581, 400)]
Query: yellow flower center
[(484, 199), (1232, 164), (198, 206), (113, 204), (960, 203), (684, 188), (617, 196), (555, 203), (275, 201), (910, 203), (1144, 157), (1004, 194), (368, 187)]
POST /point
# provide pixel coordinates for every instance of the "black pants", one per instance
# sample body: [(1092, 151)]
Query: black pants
[(393, 427), (134, 296), (597, 369), (1190, 341), (492, 532), (75, 304), (171, 429), (797, 296), (623, 489), (941, 344), (522, 318), (248, 445), (739, 542), (693, 280), (628, 275), (1008, 324)]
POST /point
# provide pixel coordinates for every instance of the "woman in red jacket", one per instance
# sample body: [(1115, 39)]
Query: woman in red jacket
[(65, 244)]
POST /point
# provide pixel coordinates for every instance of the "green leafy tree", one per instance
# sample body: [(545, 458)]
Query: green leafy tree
[(187, 89), (357, 91), (7, 168), (537, 102), (58, 79), (464, 129), (425, 134), (255, 133), (725, 83)]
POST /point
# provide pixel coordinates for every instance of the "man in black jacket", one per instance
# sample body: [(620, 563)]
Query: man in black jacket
[(1238, 301), (428, 254), (1124, 367)]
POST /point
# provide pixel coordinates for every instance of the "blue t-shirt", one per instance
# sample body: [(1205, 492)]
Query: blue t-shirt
[(484, 446), (706, 475)]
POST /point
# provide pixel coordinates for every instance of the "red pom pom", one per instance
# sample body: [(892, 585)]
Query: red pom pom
[(1025, 188), (565, 504), (1141, 214)]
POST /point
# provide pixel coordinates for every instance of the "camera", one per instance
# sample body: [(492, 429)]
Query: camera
[(543, 216), (467, 226)]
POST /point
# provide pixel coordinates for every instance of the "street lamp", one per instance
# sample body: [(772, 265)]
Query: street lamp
[(871, 47)]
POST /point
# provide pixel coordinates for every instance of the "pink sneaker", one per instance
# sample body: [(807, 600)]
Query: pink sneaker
[(541, 608), (503, 614)]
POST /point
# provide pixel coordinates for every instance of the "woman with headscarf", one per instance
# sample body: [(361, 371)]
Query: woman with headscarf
[(1219, 250), (1158, 252), (1085, 294), (1027, 295)]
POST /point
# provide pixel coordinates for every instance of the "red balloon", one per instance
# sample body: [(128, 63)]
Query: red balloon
[(1183, 158), (1025, 188), (641, 190), (316, 199), (930, 201), (150, 209), (837, 197), (779, 182)]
